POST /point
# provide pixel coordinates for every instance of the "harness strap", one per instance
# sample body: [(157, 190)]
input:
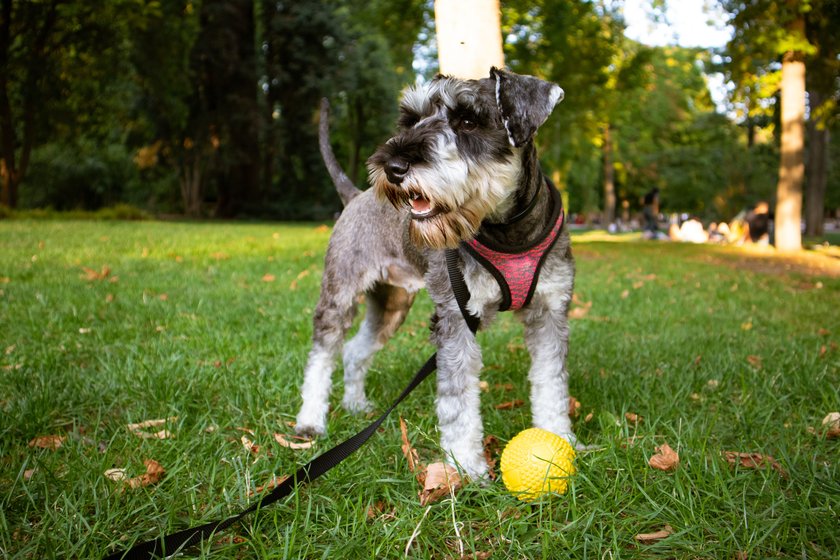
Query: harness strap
[(169, 545)]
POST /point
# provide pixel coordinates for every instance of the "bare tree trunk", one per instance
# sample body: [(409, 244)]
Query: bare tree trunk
[(190, 179), (469, 37), (609, 178), (818, 141), (792, 166)]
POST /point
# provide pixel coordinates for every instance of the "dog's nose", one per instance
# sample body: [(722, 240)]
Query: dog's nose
[(396, 170)]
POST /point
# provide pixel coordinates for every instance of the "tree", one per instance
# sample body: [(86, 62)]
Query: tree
[(469, 37), (770, 38), (56, 58)]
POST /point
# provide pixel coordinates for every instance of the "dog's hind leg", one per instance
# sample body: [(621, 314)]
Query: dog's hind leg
[(387, 307), (333, 317)]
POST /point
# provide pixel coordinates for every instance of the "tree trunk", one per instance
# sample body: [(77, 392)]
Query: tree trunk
[(609, 179), (818, 142), (469, 37), (792, 166)]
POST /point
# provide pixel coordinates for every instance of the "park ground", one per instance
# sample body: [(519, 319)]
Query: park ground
[(711, 350)]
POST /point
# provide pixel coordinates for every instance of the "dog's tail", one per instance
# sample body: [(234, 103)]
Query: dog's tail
[(345, 187)]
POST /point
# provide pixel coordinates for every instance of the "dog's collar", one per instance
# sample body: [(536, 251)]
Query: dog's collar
[(517, 269), (520, 215)]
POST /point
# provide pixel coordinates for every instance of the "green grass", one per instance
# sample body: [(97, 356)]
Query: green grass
[(190, 327)]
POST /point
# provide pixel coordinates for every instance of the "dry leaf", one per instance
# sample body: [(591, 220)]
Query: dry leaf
[(588, 417), (491, 447), (746, 326), (625, 294), (440, 480), (665, 459), (116, 474), (47, 442), (755, 361), (574, 407), (581, 311), (831, 425), (90, 274), (647, 538), (632, 417), (753, 461), (138, 427), (409, 452), (249, 445), (516, 403), (270, 485), (28, 473), (304, 443), (268, 278), (303, 274), (483, 386), (154, 472)]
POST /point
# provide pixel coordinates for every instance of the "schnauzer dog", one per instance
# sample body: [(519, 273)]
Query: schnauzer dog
[(462, 167)]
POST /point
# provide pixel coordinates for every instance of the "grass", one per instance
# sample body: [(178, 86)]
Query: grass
[(717, 349)]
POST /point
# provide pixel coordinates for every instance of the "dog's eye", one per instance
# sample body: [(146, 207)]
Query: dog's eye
[(465, 122)]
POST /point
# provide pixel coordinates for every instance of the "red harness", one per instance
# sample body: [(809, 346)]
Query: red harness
[(517, 269)]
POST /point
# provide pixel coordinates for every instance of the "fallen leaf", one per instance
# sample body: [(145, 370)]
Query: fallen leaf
[(162, 434), (483, 386), (516, 403), (268, 278), (754, 361), (746, 326), (831, 425), (154, 473), (116, 474), (491, 447), (249, 445), (588, 417), (440, 480), (137, 428), (625, 294), (647, 538), (305, 443), (409, 452), (632, 417), (823, 332), (28, 473), (323, 228), (47, 442), (270, 485), (303, 274), (753, 461), (381, 510), (574, 407), (665, 459), (91, 275), (581, 311)]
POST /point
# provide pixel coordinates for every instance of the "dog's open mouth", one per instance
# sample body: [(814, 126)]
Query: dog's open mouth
[(421, 207)]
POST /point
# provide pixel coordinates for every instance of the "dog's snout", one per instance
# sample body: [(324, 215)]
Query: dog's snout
[(396, 169)]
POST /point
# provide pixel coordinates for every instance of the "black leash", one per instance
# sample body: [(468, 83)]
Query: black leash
[(174, 542)]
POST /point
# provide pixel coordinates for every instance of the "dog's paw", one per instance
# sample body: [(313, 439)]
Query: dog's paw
[(310, 427), (475, 469), (356, 405)]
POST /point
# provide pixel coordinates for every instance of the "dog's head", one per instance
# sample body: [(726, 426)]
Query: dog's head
[(456, 157)]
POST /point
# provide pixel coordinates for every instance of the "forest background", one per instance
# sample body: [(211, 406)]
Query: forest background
[(208, 108)]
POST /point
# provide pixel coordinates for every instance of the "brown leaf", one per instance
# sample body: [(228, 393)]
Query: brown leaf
[(516, 403), (138, 427), (625, 294), (47, 442), (831, 425), (91, 275), (28, 474), (409, 452), (249, 445), (665, 459), (581, 311), (154, 473), (303, 274), (270, 485), (574, 407), (115, 474), (755, 361), (753, 461), (303, 443), (440, 480), (647, 538), (633, 418), (268, 278), (491, 446)]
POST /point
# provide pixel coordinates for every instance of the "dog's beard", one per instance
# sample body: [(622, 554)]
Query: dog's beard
[(446, 209)]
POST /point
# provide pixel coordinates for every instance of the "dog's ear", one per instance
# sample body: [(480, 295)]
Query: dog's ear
[(525, 102)]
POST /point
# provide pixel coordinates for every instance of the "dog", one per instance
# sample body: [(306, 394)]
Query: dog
[(462, 166)]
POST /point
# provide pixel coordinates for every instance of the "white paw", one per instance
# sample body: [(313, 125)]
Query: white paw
[(475, 468), (309, 426), (356, 405)]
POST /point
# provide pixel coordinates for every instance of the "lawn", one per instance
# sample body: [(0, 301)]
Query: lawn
[(105, 324)]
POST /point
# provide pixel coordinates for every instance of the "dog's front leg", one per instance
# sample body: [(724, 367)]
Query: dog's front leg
[(547, 339), (458, 394)]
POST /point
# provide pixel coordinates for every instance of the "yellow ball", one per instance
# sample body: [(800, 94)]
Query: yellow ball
[(535, 462)]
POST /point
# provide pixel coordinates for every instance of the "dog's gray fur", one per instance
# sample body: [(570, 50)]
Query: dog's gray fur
[(463, 159)]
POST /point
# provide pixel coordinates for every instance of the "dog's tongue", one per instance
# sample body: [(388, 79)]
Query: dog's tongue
[(420, 205)]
